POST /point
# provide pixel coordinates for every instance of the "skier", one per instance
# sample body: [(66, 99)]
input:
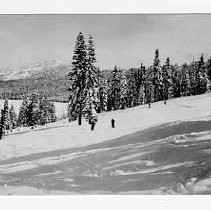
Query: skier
[(112, 123), (149, 105), (92, 124)]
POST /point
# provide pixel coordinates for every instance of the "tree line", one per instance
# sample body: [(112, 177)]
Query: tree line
[(34, 110), (93, 90)]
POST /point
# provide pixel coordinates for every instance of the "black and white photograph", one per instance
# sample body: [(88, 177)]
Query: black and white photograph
[(105, 104)]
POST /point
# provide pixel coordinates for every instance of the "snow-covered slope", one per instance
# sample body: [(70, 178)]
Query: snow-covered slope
[(62, 134)]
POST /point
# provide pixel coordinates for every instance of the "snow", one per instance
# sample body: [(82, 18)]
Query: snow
[(25, 190), (151, 170), (62, 135)]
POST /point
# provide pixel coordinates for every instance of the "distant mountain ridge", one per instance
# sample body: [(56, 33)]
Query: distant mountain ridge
[(48, 77), (29, 70)]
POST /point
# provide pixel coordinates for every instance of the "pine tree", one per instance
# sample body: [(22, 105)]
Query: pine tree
[(157, 78), (92, 72), (142, 90), (208, 67), (201, 79), (133, 92), (23, 112), (123, 91), (166, 79), (115, 89), (77, 77), (33, 110), (6, 115), (43, 110), (91, 81), (149, 88), (103, 93), (192, 76), (176, 92), (185, 81), (89, 110), (13, 117), (2, 124)]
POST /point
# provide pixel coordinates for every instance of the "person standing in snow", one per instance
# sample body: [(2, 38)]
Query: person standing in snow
[(112, 123), (92, 124)]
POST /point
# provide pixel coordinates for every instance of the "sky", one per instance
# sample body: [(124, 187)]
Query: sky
[(122, 40)]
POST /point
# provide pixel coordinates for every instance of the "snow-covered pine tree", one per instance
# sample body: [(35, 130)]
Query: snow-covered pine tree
[(123, 91), (157, 78), (2, 124), (208, 67), (176, 81), (43, 110), (92, 101), (142, 90), (13, 117), (103, 93), (192, 76), (201, 77), (33, 110), (77, 77), (149, 88), (115, 89), (23, 112), (132, 89), (166, 79), (6, 115), (185, 81), (91, 89)]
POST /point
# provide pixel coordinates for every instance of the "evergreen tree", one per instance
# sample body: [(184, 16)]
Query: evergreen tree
[(77, 77), (33, 111), (89, 110), (13, 117), (149, 86), (142, 90), (92, 72), (91, 81), (6, 115), (22, 117), (123, 91), (157, 78), (133, 92), (43, 111), (192, 77), (103, 93), (185, 81), (115, 89), (2, 124), (208, 67), (201, 79), (176, 92), (166, 79)]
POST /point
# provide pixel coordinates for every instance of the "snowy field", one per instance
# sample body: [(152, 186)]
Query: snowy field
[(61, 134), (167, 151)]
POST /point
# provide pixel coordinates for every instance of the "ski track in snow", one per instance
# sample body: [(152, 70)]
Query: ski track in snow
[(128, 159)]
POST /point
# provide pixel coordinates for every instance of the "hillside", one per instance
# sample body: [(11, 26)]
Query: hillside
[(47, 77), (162, 150)]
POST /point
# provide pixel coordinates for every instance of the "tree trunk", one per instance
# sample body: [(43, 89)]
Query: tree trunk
[(80, 115)]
